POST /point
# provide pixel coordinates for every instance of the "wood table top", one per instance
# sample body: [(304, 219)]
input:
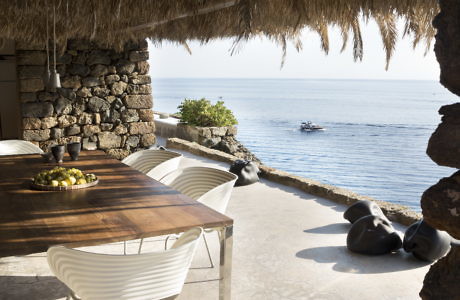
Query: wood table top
[(125, 205)]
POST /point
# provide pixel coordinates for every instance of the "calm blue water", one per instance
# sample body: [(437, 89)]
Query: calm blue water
[(376, 136)]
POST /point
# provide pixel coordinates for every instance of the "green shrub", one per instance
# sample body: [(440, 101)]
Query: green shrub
[(202, 113)]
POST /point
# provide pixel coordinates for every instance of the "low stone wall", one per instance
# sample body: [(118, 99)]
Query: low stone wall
[(105, 100), (397, 213)]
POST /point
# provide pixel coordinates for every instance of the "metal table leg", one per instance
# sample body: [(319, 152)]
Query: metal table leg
[(225, 267)]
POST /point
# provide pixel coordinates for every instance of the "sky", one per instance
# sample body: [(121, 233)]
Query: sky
[(260, 58)]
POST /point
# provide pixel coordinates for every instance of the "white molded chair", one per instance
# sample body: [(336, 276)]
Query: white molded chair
[(154, 275), (154, 163), (212, 187), (14, 147)]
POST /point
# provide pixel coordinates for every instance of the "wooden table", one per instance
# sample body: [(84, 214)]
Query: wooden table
[(125, 205)]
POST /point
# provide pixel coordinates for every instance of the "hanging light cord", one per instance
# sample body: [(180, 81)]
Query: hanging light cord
[(47, 39), (54, 33)]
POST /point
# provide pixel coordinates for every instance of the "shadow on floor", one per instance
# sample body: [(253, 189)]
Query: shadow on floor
[(32, 288), (337, 228), (349, 262)]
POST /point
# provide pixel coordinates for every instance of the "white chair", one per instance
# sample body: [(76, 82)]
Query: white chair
[(154, 163), (154, 275), (14, 147), (212, 187)]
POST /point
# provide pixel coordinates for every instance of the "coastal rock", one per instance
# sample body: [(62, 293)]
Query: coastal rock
[(441, 281), (444, 144), (441, 205)]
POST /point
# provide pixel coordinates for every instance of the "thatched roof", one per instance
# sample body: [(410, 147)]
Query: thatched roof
[(114, 22)]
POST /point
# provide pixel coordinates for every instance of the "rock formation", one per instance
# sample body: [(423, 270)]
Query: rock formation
[(441, 202)]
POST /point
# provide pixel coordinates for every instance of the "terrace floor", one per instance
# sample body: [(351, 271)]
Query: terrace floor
[(287, 245)]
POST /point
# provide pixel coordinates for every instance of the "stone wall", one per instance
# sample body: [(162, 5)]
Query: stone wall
[(105, 101)]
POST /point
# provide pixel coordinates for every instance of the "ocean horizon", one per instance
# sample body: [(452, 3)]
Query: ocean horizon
[(376, 130)]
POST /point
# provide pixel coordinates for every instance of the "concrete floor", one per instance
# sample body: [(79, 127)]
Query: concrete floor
[(287, 245)]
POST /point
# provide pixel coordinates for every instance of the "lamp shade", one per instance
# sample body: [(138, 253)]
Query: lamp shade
[(55, 80)]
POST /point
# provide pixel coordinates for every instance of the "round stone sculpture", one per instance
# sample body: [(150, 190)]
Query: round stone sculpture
[(373, 235), (363, 208), (425, 242), (246, 171)]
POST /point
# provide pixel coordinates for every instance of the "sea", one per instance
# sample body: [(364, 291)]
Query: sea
[(375, 137)]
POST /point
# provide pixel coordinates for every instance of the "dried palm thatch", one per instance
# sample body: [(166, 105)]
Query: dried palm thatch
[(114, 22)]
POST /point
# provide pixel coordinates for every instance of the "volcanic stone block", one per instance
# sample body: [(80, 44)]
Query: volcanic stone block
[(99, 70), (89, 130), (85, 119), (108, 140), (96, 104), (57, 133), (63, 106), (142, 67), (36, 135), (67, 93), (441, 281), (138, 101), (28, 72), (125, 67), (129, 115), (118, 88), (110, 79), (141, 79), (27, 97), (148, 140), (144, 89), (45, 96), (31, 85), (48, 122), (441, 205), (132, 141), (98, 58), (145, 115), (84, 92), (37, 110), (31, 58), (136, 56), (31, 123), (101, 92), (142, 128), (118, 153), (78, 69), (71, 82), (66, 121), (91, 81), (73, 130)]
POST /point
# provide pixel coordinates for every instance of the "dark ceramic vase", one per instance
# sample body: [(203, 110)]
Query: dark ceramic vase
[(361, 209), (425, 242), (246, 171), (58, 152), (74, 150), (373, 235)]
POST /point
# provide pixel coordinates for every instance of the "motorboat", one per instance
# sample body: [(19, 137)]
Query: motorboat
[(309, 126)]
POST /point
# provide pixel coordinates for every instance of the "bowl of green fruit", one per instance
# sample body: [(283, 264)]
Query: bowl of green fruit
[(63, 179)]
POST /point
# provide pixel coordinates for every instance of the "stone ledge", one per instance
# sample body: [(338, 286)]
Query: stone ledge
[(397, 213)]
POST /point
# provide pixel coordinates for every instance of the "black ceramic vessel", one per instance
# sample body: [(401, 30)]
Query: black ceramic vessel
[(58, 152), (425, 242), (363, 208), (74, 150), (246, 171), (373, 235)]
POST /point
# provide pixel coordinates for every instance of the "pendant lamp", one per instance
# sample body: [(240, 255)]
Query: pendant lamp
[(55, 81)]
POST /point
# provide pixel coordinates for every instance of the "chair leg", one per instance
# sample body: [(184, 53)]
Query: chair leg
[(140, 246), (166, 242), (124, 247), (207, 250)]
